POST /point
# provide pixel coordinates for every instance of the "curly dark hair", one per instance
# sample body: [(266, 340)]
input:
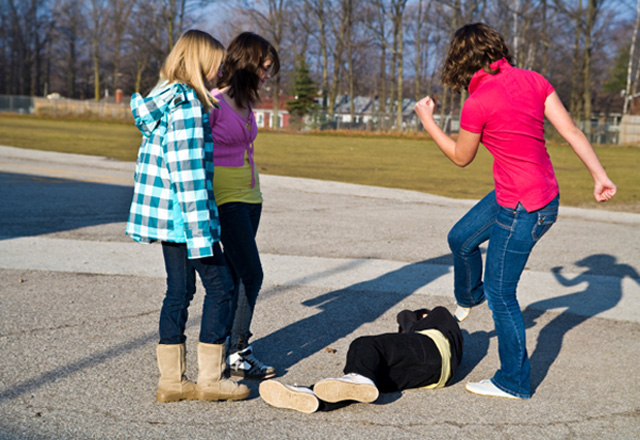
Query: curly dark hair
[(246, 55), (473, 47)]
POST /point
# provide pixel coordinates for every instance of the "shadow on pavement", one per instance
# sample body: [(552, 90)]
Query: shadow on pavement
[(600, 294), (343, 311), (36, 205), (77, 367)]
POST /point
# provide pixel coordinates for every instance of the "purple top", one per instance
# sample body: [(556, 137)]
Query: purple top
[(232, 135)]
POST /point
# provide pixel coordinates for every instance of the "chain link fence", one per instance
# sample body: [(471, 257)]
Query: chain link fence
[(605, 129), (17, 104)]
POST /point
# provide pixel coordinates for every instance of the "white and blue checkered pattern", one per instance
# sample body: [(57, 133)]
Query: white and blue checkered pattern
[(173, 193)]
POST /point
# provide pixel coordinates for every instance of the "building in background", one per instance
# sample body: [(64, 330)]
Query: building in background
[(263, 112)]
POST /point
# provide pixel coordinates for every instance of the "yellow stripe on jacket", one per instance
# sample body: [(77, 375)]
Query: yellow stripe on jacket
[(445, 352)]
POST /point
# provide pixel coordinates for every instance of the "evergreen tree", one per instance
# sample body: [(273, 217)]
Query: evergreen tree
[(617, 78), (304, 90)]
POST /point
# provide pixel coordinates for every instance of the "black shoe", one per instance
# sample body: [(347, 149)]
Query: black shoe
[(244, 364)]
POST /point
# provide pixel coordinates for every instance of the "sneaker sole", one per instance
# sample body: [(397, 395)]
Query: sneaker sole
[(281, 396), (487, 393), (335, 390)]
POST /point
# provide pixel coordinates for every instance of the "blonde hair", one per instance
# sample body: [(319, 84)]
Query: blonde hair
[(193, 58)]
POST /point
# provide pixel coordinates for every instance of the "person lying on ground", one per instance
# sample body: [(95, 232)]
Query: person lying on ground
[(425, 353)]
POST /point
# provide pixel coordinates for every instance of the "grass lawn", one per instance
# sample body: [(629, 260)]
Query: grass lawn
[(395, 162)]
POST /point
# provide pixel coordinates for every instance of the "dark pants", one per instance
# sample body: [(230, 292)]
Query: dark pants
[(239, 226), (395, 361), (181, 286)]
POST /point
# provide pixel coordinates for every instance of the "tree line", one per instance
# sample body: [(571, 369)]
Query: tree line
[(389, 49)]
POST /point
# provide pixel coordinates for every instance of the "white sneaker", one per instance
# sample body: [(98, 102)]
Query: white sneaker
[(487, 388), (289, 396), (349, 387), (461, 313)]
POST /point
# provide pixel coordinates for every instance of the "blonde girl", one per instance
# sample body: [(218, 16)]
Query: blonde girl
[(173, 203)]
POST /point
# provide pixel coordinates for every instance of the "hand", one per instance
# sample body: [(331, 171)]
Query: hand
[(604, 189), (425, 107)]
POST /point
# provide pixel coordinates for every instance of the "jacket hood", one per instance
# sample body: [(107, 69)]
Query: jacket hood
[(149, 111)]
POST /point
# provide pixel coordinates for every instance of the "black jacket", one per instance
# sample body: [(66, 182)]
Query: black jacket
[(440, 319)]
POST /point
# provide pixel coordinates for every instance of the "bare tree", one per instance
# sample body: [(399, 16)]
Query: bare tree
[(397, 11), (585, 27), (455, 20), (575, 106), (340, 28), (70, 21), (392, 12), (349, 5), (173, 17), (376, 25), (98, 20), (26, 29), (592, 10), (421, 50), (147, 45), (120, 13), (319, 11), (544, 34), (632, 49), (360, 47), (273, 22)]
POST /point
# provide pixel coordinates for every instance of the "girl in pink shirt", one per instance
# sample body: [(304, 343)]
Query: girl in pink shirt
[(236, 186), (505, 111)]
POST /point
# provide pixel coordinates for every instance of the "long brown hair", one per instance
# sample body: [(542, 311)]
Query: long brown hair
[(245, 57), (193, 58), (473, 47)]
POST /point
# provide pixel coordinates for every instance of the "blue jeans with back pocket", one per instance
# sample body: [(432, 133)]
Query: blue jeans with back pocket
[(181, 286), (512, 234)]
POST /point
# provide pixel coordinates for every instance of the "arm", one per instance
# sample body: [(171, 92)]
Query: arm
[(555, 112), (461, 152), (564, 280), (185, 162), (407, 318)]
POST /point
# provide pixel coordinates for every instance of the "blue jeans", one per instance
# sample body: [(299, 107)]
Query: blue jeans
[(512, 234), (181, 286), (239, 226)]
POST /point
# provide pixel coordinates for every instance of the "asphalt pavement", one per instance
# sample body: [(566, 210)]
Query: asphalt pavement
[(79, 305)]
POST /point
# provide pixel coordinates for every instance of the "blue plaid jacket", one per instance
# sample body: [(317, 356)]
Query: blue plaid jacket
[(173, 193)]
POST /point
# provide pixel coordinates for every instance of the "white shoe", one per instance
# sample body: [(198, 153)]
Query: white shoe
[(461, 313), (349, 387), (289, 396), (487, 388)]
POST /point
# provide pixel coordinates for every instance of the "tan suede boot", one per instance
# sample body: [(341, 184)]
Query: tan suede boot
[(173, 384), (211, 383)]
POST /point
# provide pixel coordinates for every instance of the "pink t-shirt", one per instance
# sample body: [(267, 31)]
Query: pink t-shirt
[(508, 110)]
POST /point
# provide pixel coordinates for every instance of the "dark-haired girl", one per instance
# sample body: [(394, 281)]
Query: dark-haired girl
[(250, 61), (505, 111)]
